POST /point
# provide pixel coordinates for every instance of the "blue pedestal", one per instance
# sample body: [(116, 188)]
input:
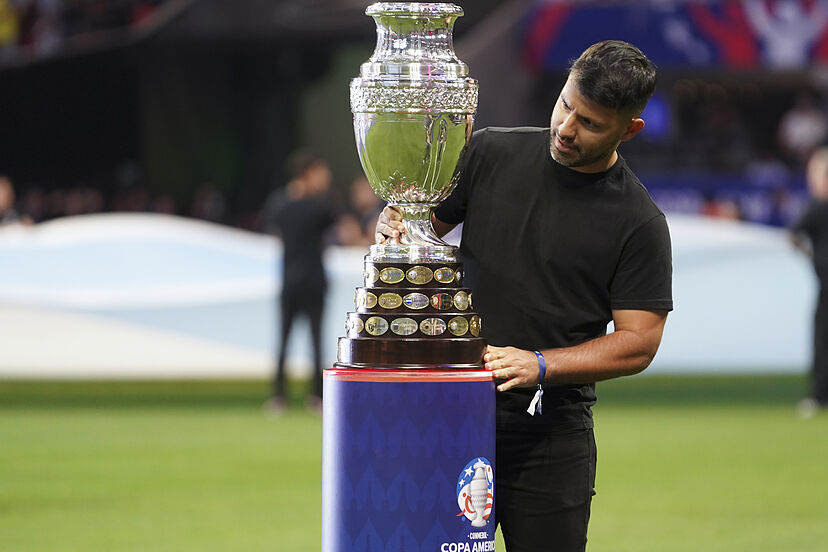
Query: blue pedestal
[(408, 459)]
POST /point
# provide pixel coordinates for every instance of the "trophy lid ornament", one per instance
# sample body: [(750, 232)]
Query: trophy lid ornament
[(413, 105)]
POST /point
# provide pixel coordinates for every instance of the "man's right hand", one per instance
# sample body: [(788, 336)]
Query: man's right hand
[(389, 226)]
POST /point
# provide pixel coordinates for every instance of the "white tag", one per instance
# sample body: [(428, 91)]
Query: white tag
[(535, 405)]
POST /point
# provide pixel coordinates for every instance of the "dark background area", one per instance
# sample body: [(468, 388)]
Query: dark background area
[(192, 106)]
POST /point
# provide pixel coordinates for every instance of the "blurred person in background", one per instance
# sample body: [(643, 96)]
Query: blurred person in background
[(302, 215), (356, 226), (34, 204), (209, 204), (810, 234), (559, 239), (8, 212)]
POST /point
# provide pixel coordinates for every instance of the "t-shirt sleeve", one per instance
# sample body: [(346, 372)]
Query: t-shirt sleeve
[(644, 277), (453, 209)]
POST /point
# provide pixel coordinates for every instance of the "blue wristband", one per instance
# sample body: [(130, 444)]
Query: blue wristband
[(536, 406), (541, 366)]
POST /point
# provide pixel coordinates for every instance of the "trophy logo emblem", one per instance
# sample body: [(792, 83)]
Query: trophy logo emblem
[(475, 492)]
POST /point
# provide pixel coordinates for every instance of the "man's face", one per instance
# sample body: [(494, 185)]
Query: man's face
[(584, 134)]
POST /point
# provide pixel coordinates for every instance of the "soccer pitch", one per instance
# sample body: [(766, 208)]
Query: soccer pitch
[(685, 463)]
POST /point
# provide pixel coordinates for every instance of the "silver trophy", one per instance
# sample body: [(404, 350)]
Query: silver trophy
[(413, 106)]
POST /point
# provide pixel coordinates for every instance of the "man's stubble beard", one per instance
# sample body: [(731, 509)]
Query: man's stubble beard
[(580, 158)]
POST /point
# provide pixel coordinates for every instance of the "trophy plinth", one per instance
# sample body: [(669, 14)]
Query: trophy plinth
[(412, 316)]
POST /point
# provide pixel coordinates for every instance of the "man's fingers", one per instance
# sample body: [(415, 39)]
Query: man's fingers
[(389, 231), (494, 353), (512, 365), (391, 213), (389, 226), (513, 375), (508, 384), (391, 218), (494, 364), (384, 232), (386, 227)]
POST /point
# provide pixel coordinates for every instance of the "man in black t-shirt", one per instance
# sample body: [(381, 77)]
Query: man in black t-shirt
[(810, 233), (559, 239)]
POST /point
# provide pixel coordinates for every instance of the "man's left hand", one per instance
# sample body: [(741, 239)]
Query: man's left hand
[(518, 367)]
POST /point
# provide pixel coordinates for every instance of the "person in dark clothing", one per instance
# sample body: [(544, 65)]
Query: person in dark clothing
[(559, 239), (302, 215), (810, 234)]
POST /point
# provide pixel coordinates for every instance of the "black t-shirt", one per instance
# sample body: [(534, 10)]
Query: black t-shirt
[(549, 253), (302, 224), (814, 224)]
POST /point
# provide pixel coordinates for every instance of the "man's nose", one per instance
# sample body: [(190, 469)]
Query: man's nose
[(566, 130)]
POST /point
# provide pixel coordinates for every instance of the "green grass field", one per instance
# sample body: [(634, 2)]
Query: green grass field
[(685, 464)]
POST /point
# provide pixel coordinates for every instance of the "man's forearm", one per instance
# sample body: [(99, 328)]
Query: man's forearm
[(626, 351), (440, 227), (621, 353)]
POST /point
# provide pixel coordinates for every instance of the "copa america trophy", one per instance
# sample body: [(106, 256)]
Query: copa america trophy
[(413, 106), (408, 408)]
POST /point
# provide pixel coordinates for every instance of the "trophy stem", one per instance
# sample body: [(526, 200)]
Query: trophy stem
[(418, 227), (419, 243)]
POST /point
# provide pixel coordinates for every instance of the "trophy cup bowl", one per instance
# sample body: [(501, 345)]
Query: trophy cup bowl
[(413, 105)]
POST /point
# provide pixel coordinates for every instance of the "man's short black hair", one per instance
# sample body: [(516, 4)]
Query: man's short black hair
[(615, 74)]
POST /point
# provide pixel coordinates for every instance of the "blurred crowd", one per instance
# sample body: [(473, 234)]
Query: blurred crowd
[(356, 208), (735, 150), (721, 145), (34, 27), (732, 148), (715, 158), (712, 165)]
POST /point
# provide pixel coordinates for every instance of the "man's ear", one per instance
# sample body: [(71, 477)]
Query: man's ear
[(633, 128)]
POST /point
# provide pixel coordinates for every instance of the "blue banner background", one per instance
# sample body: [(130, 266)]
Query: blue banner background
[(735, 34)]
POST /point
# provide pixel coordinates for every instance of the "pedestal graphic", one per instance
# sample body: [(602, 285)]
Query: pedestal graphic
[(408, 408)]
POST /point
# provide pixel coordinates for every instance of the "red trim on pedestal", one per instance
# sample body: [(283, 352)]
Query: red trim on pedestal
[(344, 374)]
